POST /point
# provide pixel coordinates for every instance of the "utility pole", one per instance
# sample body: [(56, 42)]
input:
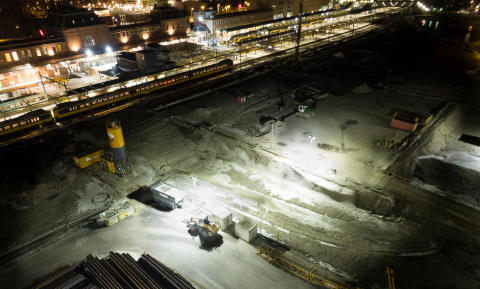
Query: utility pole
[(297, 48)]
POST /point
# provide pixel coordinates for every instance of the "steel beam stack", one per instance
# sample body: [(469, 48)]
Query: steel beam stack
[(117, 271), (65, 277)]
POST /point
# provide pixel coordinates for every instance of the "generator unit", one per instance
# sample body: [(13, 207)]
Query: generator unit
[(88, 157), (168, 196)]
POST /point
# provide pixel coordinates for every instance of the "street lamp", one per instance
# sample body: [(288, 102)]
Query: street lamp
[(271, 139), (203, 7), (195, 179), (218, 8), (311, 137), (109, 49), (388, 80), (192, 12)]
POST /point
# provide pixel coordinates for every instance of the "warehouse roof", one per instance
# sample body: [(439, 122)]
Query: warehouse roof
[(247, 224), (222, 213)]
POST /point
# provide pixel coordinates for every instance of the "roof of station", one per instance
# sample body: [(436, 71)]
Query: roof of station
[(280, 20)]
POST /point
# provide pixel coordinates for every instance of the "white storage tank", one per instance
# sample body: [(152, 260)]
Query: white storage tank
[(246, 229), (222, 217)]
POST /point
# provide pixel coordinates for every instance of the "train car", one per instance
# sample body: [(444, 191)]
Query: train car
[(271, 36), (34, 118), (67, 109)]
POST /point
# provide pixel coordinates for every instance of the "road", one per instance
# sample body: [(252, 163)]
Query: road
[(234, 264)]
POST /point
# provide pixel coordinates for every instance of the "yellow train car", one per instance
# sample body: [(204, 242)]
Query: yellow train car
[(67, 109), (88, 157), (36, 118)]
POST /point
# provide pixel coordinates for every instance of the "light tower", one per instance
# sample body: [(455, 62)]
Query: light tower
[(117, 162)]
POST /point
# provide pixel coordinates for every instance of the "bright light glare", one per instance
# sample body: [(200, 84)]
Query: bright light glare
[(89, 52), (109, 49)]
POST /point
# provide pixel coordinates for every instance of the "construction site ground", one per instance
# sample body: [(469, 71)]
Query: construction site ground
[(333, 205)]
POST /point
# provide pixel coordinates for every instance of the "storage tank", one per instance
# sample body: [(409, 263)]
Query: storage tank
[(122, 166)]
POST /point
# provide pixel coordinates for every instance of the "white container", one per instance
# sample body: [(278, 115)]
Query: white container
[(246, 229)]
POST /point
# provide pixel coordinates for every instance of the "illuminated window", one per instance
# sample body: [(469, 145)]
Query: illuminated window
[(7, 56), (59, 48), (22, 53), (15, 56), (45, 51)]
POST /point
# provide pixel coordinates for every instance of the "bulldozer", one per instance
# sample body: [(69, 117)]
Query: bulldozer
[(204, 227)]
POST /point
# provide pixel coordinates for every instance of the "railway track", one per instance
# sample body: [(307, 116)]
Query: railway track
[(39, 243)]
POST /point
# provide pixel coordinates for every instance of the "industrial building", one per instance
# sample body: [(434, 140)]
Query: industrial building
[(217, 24), (153, 58)]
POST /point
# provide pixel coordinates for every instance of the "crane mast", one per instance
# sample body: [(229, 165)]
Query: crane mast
[(299, 31)]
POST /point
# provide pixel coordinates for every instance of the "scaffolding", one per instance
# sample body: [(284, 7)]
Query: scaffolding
[(276, 257)]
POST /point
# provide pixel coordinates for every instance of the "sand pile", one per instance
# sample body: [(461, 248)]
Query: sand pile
[(364, 88)]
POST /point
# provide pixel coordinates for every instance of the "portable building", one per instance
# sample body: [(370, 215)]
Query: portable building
[(88, 157), (404, 122), (246, 229), (222, 217), (168, 196)]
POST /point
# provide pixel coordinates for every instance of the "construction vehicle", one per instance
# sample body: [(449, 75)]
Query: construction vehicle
[(300, 107), (204, 227)]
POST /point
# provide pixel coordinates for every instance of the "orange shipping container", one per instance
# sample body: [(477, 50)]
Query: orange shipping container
[(403, 124)]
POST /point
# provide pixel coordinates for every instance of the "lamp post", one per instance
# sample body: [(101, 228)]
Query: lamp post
[(388, 79), (218, 8), (195, 179), (271, 139), (203, 7), (192, 12), (311, 137)]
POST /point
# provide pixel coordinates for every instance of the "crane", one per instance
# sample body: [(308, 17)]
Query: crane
[(297, 47), (391, 281)]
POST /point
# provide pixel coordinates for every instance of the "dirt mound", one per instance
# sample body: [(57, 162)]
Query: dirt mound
[(364, 88), (448, 176)]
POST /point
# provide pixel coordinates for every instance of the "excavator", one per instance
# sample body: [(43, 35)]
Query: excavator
[(204, 227)]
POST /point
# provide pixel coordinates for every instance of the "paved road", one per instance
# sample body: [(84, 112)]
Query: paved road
[(163, 235)]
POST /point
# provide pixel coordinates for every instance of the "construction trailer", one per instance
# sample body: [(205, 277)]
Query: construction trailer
[(168, 196), (88, 157), (246, 229), (116, 214), (404, 121), (222, 217)]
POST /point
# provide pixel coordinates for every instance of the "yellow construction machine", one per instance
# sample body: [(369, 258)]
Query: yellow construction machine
[(204, 227)]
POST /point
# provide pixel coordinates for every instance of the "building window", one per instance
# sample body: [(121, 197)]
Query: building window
[(118, 34), (182, 24), (89, 41), (39, 53), (22, 53), (112, 35), (54, 49), (64, 47), (124, 33), (45, 51), (29, 53), (7, 56), (59, 48), (127, 33)]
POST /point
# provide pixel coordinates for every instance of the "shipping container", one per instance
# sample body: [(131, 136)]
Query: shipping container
[(88, 157), (403, 124)]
